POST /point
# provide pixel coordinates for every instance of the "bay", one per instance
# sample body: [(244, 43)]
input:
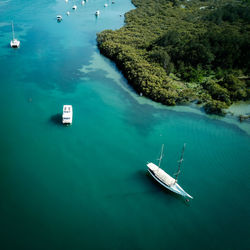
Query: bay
[(86, 186)]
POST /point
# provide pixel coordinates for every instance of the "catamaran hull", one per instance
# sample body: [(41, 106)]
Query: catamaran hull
[(15, 44), (176, 188)]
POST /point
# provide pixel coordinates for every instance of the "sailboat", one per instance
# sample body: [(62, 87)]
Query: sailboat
[(165, 179), (14, 43)]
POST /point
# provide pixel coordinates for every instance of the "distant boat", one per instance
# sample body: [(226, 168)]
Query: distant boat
[(165, 179), (83, 2), (67, 13), (66, 1), (74, 7), (67, 115), (14, 43), (97, 13), (105, 5), (59, 18)]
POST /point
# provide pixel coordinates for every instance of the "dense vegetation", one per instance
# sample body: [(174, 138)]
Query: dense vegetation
[(177, 51)]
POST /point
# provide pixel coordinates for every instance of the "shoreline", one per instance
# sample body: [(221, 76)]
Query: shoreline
[(239, 108), (100, 62)]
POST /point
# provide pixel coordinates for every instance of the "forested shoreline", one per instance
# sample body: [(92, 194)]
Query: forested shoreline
[(176, 52)]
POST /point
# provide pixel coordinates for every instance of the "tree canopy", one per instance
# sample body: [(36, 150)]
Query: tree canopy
[(177, 51)]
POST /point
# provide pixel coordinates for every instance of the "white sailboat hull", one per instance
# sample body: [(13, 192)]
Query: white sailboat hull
[(176, 188)]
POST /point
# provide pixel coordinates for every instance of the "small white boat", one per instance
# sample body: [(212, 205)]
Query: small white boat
[(165, 179), (66, 1), (59, 18), (97, 13), (14, 43), (105, 5), (74, 7), (83, 2), (67, 13), (67, 115)]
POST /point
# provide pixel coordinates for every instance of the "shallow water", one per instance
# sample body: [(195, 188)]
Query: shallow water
[(86, 186)]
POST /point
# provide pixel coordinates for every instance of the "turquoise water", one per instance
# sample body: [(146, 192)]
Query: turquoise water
[(86, 186)]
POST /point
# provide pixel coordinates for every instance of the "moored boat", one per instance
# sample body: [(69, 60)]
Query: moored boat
[(14, 43), (67, 115), (165, 179), (59, 18)]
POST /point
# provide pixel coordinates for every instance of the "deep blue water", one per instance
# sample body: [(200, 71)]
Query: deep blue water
[(86, 186)]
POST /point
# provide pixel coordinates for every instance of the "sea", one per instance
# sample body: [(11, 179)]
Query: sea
[(86, 186)]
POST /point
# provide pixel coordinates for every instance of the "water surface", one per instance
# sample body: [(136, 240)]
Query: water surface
[(86, 186)]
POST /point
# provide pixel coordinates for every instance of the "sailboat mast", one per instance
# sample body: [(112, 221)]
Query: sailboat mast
[(180, 161), (13, 34), (162, 147)]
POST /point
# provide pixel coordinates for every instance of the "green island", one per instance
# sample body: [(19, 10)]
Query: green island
[(182, 51)]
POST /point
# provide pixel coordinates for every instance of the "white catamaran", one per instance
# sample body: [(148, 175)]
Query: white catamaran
[(14, 43), (165, 179)]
